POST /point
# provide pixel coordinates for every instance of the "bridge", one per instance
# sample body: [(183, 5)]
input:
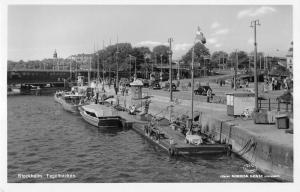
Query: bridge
[(37, 76)]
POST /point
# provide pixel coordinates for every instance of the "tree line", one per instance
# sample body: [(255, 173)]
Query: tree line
[(128, 57)]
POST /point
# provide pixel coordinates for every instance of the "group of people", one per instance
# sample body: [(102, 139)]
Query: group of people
[(277, 84)]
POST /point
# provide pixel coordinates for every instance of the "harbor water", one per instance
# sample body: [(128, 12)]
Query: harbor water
[(43, 139)]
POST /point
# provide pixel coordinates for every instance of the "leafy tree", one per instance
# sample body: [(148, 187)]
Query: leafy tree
[(218, 57), (243, 59), (200, 53), (108, 56), (139, 53), (160, 53)]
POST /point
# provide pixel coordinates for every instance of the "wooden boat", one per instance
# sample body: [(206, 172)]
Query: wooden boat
[(71, 102), (58, 96), (177, 143), (100, 116)]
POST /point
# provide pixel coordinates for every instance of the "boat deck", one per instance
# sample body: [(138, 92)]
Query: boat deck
[(178, 146)]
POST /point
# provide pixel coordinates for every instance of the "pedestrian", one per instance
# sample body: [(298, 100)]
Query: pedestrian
[(178, 83), (208, 95)]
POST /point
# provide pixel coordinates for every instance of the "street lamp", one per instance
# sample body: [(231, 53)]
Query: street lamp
[(253, 25), (129, 67), (178, 74), (161, 67), (135, 76), (170, 40), (134, 65)]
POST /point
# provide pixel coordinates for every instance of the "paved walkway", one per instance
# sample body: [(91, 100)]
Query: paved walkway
[(266, 132)]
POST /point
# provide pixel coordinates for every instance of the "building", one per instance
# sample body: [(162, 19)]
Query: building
[(83, 60), (289, 58)]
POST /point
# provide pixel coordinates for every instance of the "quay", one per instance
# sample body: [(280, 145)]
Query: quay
[(269, 149), (179, 147)]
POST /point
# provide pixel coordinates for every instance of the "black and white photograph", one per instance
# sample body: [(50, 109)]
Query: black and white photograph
[(148, 93)]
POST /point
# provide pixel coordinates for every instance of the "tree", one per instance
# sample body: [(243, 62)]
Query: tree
[(108, 56), (218, 57), (139, 53), (200, 53), (242, 58), (158, 51)]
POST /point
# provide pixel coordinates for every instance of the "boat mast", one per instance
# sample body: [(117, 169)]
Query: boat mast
[(192, 91), (89, 72), (103, 61), (117, 79)]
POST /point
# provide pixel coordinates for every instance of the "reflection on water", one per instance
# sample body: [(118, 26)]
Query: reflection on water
[(44, 139)]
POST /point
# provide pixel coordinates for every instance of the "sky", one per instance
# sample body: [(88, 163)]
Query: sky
[(35, 31)]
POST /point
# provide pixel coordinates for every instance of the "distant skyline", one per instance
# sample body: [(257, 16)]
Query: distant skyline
[(35, 31)]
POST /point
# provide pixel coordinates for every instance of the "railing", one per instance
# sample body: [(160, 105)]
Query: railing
[(274, 104)]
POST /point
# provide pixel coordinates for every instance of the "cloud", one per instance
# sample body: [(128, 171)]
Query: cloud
[(182, 46), (221, 32), (215, 25), (218, 45), (149, 43), (212, 40), (255, 12)]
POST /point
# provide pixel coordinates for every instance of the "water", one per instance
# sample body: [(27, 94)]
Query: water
[(45, 139)]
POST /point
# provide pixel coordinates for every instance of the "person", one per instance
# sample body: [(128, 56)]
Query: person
[(208, 95), (115, 87), (178, 83)]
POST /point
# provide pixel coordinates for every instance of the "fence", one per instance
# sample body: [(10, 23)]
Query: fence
[(274, 104)]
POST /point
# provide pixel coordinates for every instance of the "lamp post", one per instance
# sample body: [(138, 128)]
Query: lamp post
[(178, 75), (129, 67), (161, 67), (236, 66), (135, 76), (170, 40), (146, 72), (253, 25)]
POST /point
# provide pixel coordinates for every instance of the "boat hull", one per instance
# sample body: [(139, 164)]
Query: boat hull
[(70, 107), (57, 99), (102, 122)]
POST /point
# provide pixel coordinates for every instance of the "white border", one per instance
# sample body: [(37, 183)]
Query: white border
[(136, 186)]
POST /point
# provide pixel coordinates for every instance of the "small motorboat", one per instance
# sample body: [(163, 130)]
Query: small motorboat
[(58, 96), (100, 116), (71, 102)]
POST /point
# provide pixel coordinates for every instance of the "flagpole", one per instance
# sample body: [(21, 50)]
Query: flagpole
[(200, 35), (192, 92)]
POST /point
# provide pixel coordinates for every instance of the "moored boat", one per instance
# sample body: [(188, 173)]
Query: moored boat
[(71, 102), (58, 96), (100, 116)]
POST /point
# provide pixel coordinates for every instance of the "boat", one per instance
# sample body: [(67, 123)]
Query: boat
[(71, 102), (58, 96), (101, 116), (177, 138)]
